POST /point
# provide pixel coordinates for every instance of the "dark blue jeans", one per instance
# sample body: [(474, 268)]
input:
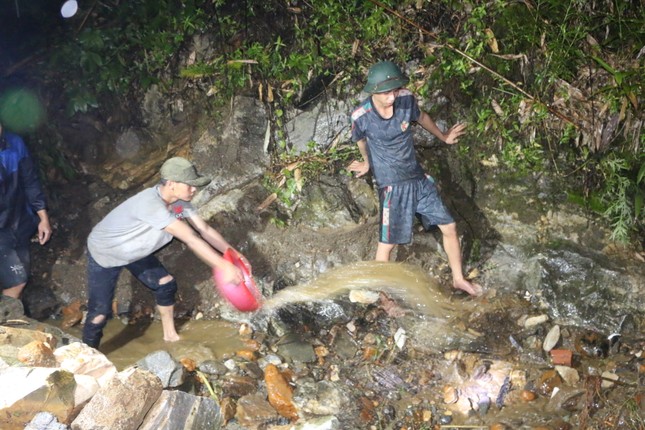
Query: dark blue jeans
[(14, 255), (101, 286)]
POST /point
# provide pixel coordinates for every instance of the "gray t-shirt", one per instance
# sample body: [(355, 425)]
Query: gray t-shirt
[(390, 146), (135, 229)]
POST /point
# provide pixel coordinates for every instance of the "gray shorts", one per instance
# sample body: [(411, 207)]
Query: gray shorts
[(14, 259), (400, 203)]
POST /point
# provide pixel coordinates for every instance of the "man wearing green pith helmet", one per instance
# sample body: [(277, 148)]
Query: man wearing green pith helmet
[(381, 126)]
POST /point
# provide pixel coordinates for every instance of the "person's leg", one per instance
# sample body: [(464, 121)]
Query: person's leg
[(15, 291), (383, 251), (153, 275), (396, 219), (432, 211), (14, 263), (453, 251), (101, 284)]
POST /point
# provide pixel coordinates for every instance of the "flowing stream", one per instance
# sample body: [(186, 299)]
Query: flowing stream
[(125, 344)]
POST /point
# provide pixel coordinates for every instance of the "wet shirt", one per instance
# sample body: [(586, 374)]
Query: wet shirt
[(135, 228), (21, 194), (390, 146)]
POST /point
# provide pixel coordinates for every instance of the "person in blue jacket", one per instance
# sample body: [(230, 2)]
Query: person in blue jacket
[(23, 211)]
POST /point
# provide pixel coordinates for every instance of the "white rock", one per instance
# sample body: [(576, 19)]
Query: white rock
[(400, 338), (365, 297), (86, 387), (569, 374), (551, 339), (81, 359), (608, 375), (533, 321)]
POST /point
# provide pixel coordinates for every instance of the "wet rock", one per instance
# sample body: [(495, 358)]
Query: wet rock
[(212, 367), (189, 364), (228, 406), (345, 346), (565, 398), (528, 396), (170, 372), (322, 398), (253, 410), (237, 386), (608, 379), (178, 410), (247, 354), (568, 374), (122, 403), (592, 344), (10, 309), (296, 350), (72, 315), (548, 381), (318, 423), (387, 378), (34, 390), (252, 369), (279, 393)]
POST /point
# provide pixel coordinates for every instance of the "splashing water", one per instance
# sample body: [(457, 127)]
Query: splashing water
[(409, 283)]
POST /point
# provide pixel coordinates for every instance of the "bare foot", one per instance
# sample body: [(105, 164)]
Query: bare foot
[(171, 338), (472, 289)]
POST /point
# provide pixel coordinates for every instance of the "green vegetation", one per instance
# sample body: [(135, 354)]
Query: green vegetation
[(547, 84)]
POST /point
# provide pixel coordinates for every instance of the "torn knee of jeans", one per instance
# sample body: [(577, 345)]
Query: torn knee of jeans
[(166, 279), (98, 319)]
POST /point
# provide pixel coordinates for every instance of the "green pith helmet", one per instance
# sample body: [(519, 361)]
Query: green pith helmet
[(384, 76)]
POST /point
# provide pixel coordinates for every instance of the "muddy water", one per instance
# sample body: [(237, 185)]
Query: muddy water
[(405, 282), (125, 344), (201, 340)]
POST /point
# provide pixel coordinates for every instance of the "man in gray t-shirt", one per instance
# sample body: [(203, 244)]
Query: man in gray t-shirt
[(382, 129), (132, 232)]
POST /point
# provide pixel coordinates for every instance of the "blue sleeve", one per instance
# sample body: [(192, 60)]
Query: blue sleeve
[(30, 182)]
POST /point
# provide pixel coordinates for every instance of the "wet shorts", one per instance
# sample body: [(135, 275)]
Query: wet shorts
[(401, 202), (14, 259)]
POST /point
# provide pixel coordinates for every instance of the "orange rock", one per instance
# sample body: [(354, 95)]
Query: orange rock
[(72, 315), (189, 364), (37, 354), (450, 394), (548, 381), (246, 354), (561, 357), (498, 426), (321, 351), (252, 344), (369, 353), (279, 393), (367, 410), (528, 396)]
